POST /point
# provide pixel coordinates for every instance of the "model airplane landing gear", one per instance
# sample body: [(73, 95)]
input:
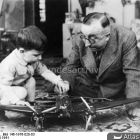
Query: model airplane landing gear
[(39, 122)]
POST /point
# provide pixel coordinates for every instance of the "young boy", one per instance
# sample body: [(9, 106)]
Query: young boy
[(17, 84)]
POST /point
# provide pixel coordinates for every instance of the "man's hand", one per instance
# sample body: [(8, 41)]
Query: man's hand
[(134, 113), (62, 87), (133, 110)]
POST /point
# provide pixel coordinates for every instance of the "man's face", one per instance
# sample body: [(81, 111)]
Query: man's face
[(31, 56), (94, 35)]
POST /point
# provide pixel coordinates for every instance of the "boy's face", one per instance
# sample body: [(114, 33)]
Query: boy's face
[(31, 56)]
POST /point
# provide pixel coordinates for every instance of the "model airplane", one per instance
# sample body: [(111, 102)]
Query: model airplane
[(65, 106)]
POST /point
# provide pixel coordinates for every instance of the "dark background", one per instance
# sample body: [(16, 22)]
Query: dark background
[(55, 17)]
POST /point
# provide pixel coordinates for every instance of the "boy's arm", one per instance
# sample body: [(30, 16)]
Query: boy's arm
[(47, 74), (62, 86), (50, 76), (7, 74)]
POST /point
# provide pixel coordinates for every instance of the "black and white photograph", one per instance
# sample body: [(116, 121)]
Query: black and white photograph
[(69, 66)]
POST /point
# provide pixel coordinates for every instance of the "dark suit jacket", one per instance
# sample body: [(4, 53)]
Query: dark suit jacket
[(119, 70)]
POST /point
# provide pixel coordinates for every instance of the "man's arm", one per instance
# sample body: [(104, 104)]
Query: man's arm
[(131, 67)]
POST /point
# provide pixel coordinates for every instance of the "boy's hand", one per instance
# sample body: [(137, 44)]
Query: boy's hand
[(62, 87)]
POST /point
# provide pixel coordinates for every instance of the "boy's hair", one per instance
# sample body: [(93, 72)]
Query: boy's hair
[(31, 38), (97, 16)]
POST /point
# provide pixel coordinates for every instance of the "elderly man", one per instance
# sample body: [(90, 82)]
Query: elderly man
[(104, 62)]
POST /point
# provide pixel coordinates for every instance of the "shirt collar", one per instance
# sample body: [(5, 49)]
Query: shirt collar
[(19, 57)]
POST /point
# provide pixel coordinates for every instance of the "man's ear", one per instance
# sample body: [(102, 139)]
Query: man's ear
[(21, 50)]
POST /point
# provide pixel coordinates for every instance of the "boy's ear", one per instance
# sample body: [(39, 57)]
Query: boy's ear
[(21, 50)]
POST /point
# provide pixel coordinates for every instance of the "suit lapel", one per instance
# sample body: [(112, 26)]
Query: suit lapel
[(109, 54)]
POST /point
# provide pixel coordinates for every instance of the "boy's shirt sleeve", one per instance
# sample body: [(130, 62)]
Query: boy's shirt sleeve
[(40, 67), (7, 74), (46, 73)]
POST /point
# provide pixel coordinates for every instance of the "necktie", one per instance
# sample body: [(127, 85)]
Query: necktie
[(97, 56)]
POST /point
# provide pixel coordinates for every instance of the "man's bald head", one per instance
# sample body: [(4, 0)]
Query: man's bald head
[(96, 29), (96, 23), (101, 17)]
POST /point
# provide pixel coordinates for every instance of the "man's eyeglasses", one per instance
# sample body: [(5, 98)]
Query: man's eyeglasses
[(94, 38)]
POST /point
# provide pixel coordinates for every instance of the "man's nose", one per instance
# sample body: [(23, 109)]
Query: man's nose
[(87, 43)]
